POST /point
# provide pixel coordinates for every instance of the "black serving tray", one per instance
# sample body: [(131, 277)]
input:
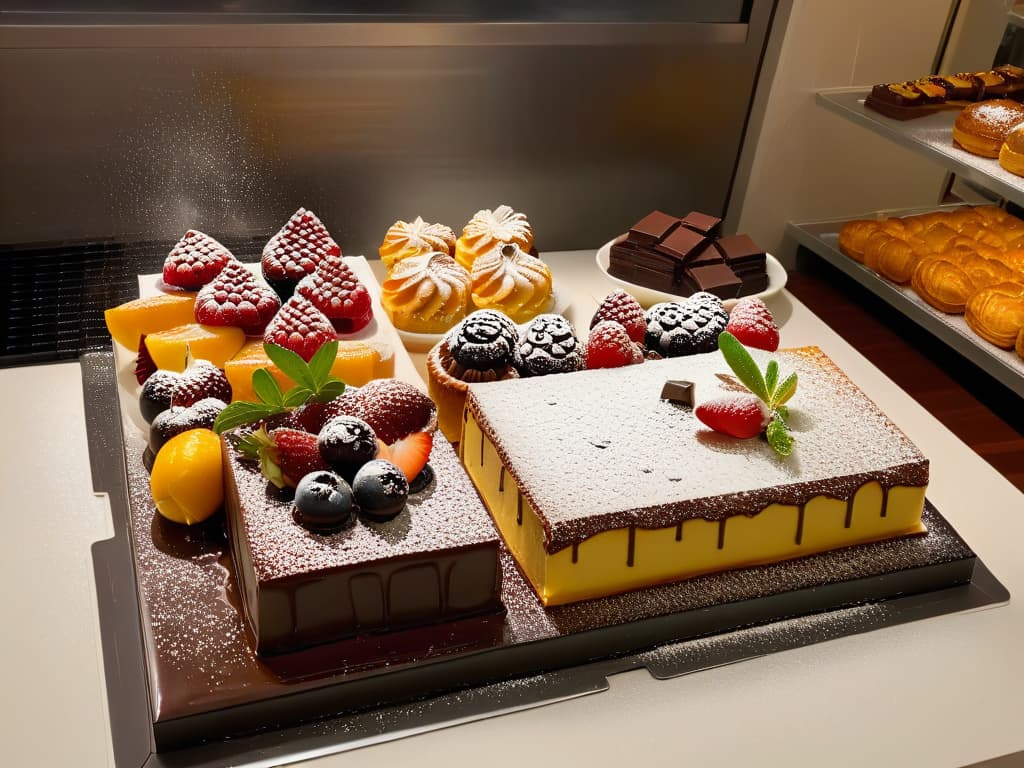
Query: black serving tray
[(185, 688)]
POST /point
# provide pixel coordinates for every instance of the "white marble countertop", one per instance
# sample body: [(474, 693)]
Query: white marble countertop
[(946, 691)]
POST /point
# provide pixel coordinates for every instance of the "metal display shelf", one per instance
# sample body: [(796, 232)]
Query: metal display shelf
[(929, 135), (1003, 365)]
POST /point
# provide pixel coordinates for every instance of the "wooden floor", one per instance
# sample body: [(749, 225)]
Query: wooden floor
[(976, 408)]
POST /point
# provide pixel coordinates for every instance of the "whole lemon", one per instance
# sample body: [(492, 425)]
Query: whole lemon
[(187, 480)]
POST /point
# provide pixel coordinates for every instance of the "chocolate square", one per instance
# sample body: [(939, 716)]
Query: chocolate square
[(653, 227), (718, 279), (683, 244), (738, 247), (702, 222)]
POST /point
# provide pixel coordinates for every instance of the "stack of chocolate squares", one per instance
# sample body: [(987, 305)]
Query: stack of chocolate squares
[(683, 256)]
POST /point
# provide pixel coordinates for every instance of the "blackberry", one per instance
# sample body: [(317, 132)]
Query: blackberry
[(347, 443), (485, 339), (690, 327), (549, 345)]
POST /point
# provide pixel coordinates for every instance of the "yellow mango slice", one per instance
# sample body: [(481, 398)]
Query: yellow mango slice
[(357, 363), (129, 321), (218, 344)]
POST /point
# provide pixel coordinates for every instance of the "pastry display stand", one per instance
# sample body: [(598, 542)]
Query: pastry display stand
[(902, 689), (929, 136)]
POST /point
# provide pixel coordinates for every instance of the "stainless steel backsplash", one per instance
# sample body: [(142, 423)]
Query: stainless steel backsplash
[(147, 130)]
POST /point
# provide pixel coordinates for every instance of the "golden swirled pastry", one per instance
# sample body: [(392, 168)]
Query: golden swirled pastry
[(415, 238), (489, 228), (508, 279), (942, 284), (426, 294), (996, 313)]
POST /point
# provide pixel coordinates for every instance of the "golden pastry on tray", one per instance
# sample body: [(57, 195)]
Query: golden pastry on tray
[(428, 293), (1011, 154), (508, 279), (405, 239), (942, 284), (981, 128), (996, 313), (487, 229)]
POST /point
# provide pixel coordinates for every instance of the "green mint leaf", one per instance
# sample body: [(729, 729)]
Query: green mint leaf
[(784, 391), (320, 364), (237, 414), (771, 377), (296, 396), (266, 387), (293, 366), (742, 364), (779, 438), (330, 390)]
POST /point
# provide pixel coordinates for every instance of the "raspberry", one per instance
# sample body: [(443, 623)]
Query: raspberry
[(738, 415), (194, 261), (300, 327), (201, 379), (609, 346), (549, 345), (686, 328), (625, 310), (337, 292), (296, 250), (234, 297), (395, 409), (752, 323)]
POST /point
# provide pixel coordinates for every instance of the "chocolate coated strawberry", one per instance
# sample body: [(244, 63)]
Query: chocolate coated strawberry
[(300, 327), (296, 250), (335, 290)]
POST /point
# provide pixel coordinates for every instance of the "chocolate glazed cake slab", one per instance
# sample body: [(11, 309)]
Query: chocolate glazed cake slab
[(186, 688)]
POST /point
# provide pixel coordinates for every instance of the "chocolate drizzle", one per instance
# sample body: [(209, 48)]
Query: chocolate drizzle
[(631, 547), (800, 525)]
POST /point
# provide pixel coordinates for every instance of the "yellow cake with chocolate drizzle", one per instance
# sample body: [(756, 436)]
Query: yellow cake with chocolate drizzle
[(612, 488), (487, 229), (405, 239), (426, 294), (508, 279)]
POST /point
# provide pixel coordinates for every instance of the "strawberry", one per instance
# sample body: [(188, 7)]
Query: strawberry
[(296, 250), (739, 415), (285, 455), (337, 292), (200, 380), (300, 327), (395, 409), (194, 261), (752, 323), (144, 365), (609, 346), (410, 454), (624, 309), (234, 297)]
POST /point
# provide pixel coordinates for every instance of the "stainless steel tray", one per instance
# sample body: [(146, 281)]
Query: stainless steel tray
[(930, 136), (1005, 366)]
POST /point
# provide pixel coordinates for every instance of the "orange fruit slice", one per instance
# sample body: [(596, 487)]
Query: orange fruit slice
[(187, 480), (357, 362), (129, 321), (218, 344)]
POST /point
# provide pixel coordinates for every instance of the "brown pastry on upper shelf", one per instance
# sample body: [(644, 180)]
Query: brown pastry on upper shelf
[(981, 128), (913, 98), (996, 313), (942, 284)]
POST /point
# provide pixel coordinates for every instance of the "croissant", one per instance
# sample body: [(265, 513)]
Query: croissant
[(942, 284), (985, 272), (938, 237), (896, 260), (996, 313), (1014, 259), (982, 234), (853, 235)]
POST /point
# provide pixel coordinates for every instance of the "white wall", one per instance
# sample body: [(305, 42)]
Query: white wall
[(809, 164)]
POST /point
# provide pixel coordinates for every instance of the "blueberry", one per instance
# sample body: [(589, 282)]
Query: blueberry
[(178, 419), (380, 489), (323, 502), (156, 393), (346, 443)]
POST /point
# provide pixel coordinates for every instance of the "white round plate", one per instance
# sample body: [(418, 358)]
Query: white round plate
[(422, 342), (647, 296)]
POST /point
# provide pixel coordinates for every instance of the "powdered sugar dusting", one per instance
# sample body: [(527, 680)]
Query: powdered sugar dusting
[(605, 440)]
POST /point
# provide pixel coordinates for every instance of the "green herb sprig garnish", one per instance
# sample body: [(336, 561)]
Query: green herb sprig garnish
[(313, 383), (772, 392)]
